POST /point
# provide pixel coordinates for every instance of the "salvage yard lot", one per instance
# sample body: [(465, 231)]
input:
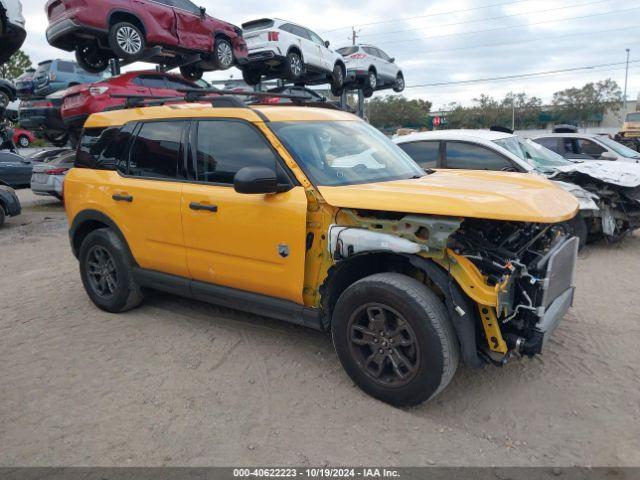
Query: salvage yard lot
[(178, 382)]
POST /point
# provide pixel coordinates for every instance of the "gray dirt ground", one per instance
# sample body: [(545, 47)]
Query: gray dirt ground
[(177, 382)]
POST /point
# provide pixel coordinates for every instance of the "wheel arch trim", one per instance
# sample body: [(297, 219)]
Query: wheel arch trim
[(88, 218)]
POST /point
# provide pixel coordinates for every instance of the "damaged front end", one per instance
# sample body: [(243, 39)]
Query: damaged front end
[(531, 267), (511, 281)]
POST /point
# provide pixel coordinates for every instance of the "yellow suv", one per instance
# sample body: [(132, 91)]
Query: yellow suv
[(312, 216)]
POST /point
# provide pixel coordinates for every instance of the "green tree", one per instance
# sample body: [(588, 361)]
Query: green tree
[(393, 112), (15, 66), (587, 104)]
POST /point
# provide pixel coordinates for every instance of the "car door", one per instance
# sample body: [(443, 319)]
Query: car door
[(144, 198), (327, 57), (15, 170), (194, 31), (254, 243), (389, 68), (311, 51), (470, 156)]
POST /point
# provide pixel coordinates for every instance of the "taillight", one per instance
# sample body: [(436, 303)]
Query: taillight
[(271, 100), (52, 76), (41, 104), (95, 91), (56, 171), (358, 56), (273, 36)]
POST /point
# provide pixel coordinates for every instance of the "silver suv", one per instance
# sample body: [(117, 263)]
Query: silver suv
[(371, 69)]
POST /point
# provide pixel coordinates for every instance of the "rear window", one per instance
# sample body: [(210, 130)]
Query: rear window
[(104, 148), (66, 67), (346, 51), (257, 25), (44, 67)]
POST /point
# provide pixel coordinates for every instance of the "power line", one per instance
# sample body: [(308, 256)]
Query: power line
[(520, 75), (509, 27), (488, 19), (538, 39), (402, 19)]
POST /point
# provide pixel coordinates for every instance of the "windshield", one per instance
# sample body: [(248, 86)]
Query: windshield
[(619, 148), (345, 153), (539, 157), (633, 117)]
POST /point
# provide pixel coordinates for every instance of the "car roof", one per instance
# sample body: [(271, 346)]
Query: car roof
[(255, 113), (487, 135)]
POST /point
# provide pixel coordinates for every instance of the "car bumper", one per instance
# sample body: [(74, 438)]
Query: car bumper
[(11, 41), (41, 119), (262, 57), (75, 121), (43, 184), (62, 33)]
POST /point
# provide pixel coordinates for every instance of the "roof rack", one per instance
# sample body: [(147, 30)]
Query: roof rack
[(217, 98)]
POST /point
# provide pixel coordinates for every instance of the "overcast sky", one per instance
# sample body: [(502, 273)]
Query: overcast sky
[(450, 41)]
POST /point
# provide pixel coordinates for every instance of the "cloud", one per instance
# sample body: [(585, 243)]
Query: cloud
[(436, 44)]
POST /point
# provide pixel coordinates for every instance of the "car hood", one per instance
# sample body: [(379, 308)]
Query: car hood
[(618, 173), (462, 193)]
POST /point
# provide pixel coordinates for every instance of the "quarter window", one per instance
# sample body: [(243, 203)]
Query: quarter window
[(426, 154), (226, 146), (105, 148), (155, 150), (474, 157)]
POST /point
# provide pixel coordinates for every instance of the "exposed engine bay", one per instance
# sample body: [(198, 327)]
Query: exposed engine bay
[(525, 271), (532, 264)]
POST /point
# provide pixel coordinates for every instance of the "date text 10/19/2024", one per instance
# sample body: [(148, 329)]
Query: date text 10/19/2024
[(315, 473)]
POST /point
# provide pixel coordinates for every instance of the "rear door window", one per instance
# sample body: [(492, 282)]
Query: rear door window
[(66, 67), (425, 154), (105, 148), (155, 151), (468, 156), (225, 146)]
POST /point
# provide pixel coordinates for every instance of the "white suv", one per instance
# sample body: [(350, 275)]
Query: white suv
[(12, 31), (278, 48), (371, 69)]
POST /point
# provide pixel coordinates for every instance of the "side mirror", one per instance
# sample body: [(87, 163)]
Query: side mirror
[(256, 180), (608, 156), (392, 60), (203, 12), (327, 43)]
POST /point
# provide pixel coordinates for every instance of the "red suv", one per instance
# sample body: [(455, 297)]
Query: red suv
[(102, 29), (83, 100)]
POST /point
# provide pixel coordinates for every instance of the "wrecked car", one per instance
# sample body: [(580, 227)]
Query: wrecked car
[(312, 216), (608, 192)]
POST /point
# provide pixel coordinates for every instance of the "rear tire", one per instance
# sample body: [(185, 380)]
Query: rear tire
[(59, 140), (127, 41), (223, 54), (394, 338), (293, 67), (2, 215), (4, 99), (106, 272), (92, 59)]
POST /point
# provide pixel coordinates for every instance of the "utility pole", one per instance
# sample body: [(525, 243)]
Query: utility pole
[(626, 77), (513, 115), (354, 35)]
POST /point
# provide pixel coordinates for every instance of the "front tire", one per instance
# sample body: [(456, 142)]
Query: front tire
[(2, 215), (106, 272), (127, 41), (57, 140), (399, 84), (251, 77), (91, 58), (293, 67), (223, 54), (337, 80), (394, 338)]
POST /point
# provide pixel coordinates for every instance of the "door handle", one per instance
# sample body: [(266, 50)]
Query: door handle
[(202, 207), (122, 198)]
